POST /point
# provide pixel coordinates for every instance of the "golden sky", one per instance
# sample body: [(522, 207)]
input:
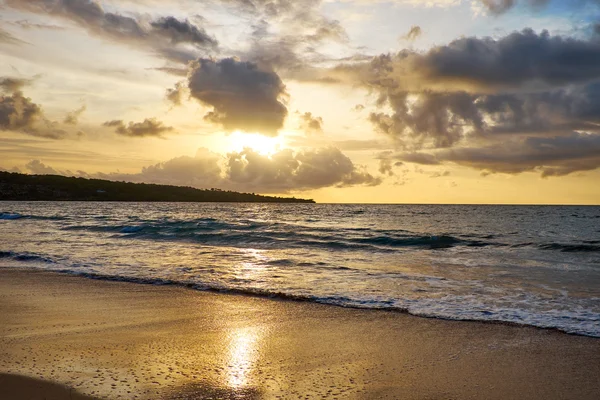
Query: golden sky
[(360, 101)]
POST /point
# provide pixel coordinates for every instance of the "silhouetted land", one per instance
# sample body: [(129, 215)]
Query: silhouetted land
[(15, 186)]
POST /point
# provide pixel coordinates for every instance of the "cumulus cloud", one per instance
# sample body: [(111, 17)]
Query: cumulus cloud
[(516, 59), (247, 170), (310, 123), (20, 114), (243, 96), (201, 171), (519, 61), (160, 34), (288, 171), (148, 127), (37, 167)]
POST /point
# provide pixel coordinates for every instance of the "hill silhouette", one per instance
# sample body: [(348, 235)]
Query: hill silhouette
[(16, 186)]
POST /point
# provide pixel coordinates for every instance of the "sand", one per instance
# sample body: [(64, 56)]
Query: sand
[(113, 340)]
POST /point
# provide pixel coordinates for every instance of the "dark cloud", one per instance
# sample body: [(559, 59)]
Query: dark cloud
[(149, 127), (159, 35), (20, 114), (182, 32), (413, 33), (549, 156), (518, 62), (513, 60), (310, 123), (444, 119), (428, 119), (500, 6), (418, 158), (10, 85), (243, 96), (72, 118)]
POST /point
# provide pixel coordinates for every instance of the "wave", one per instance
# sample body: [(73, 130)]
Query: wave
[(16, 216), (268, 235), (579, 322), (10, 216), (25, 257), (571, 248)]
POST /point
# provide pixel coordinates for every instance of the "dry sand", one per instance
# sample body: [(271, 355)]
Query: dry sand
[(119, 340)]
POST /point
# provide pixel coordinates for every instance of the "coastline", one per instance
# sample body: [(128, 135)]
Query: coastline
[(111, 339)]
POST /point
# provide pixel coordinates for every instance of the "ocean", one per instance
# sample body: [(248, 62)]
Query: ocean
[(531, 265)]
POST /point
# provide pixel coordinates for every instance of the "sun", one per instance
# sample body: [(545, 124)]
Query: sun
[(264, 145)]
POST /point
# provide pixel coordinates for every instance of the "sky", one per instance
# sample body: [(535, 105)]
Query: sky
[(345, 101)]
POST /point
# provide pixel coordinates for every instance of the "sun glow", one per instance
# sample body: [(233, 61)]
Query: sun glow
[(265, 145)]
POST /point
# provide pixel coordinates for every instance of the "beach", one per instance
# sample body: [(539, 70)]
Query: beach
[(118, 340)]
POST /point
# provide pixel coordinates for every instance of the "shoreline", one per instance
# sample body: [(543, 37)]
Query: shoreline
[(109, 338), (277, 297)]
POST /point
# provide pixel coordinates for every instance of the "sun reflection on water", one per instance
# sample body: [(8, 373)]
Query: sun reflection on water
[(243, 354)]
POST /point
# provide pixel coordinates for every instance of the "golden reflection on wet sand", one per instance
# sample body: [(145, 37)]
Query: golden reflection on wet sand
[(243, 356)]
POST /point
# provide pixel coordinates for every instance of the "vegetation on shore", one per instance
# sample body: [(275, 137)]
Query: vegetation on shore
[(15, 186)]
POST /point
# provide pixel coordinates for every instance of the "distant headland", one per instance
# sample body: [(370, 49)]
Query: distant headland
[(15, 186)]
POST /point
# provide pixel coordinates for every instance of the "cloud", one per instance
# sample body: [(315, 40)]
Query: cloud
[(310, 123), (201, 171), (514, 60), (20, 114), (288, 171), (520, 61), (32, 25), (248, 171), (72, 118), (413, 33), (182, 32), (149, 127), (7, 37), (549, 156), (37, 167), (159, 35), (474, 89), (442, 174), (177, 94), (10, 85), (243, 96), (444, 119), (501, 6)]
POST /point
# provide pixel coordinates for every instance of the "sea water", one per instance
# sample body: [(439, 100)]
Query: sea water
[(533, 265)]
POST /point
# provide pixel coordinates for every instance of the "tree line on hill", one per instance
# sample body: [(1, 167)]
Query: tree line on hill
[(16, 186)]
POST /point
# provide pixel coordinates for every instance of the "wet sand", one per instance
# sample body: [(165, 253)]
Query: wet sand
[(115, 340)]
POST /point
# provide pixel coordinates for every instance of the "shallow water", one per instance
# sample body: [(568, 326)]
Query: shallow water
[(536, 265)]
